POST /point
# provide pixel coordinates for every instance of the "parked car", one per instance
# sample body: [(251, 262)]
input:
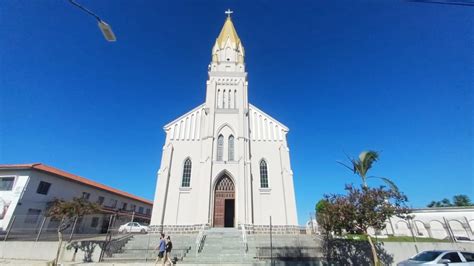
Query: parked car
[(133, 227), (440, 257)]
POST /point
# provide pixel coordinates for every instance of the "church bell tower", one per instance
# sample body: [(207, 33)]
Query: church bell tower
[(227, 82), (228, 125)]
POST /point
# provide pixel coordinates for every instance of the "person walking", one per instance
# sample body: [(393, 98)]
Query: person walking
[(161, 248), (169, 247)]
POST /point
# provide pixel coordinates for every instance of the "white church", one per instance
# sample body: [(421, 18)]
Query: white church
[(225, 163)]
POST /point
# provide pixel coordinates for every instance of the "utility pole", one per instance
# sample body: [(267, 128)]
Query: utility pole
[(271, 242), (446, 2)]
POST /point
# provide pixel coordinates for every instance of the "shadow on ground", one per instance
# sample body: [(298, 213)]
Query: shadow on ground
[(87, 247), (297, 256), (353, 252)]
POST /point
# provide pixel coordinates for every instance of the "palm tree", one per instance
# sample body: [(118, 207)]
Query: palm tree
[(361, 167), (363, 164)]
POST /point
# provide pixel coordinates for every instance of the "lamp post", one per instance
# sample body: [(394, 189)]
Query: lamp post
[(103, 26)]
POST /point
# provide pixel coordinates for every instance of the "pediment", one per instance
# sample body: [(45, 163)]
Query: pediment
[(186, 127), (264, 127)]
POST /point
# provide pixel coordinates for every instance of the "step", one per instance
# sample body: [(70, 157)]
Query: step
[(214, 258), (221, 246), (150, 261)]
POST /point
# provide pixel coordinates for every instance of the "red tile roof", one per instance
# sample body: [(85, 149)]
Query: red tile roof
[(72, 177)]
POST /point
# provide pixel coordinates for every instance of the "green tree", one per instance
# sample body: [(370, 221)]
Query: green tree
[(361, 167), (462, 200), (331, 212), (445, 203), (458, 201), (331, 220), (67, 212), (373, 207), (362, 209), (363, 164), (323, 216)]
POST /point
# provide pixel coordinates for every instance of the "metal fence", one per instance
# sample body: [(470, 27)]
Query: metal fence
[(92, 226)]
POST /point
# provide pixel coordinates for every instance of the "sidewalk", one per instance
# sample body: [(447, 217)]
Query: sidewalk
[(24, 262), (13, 262)]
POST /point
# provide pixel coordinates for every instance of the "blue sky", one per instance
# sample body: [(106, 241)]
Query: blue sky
[(344, 76)]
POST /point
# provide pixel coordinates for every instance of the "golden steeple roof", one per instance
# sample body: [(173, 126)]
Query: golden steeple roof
[(228, 32)]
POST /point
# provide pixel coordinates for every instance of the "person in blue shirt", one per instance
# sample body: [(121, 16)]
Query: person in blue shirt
[(161, 248)]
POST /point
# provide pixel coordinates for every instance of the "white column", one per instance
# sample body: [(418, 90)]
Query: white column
[(193, 126), (223, 99), (198, 124), (188, 127), (182, 129)]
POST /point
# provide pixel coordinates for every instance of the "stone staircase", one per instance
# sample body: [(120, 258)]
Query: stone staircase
[(224, 246), (141, 248)]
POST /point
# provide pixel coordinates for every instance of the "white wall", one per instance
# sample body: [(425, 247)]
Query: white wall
[(194, 205), (44, 251), (60, 188), (404, 250), (431, 222)]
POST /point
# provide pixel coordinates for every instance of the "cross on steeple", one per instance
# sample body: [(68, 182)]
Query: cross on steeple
[(228, 12)]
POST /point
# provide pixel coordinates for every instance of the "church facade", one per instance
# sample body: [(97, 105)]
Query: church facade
[(225, 163)]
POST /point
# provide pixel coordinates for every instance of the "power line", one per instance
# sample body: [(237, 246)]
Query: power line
[(446, 2)]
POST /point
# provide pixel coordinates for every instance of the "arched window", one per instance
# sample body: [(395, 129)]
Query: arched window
[(228, 53), (231, 148), (263, 174), (186, 182), (220, 147)]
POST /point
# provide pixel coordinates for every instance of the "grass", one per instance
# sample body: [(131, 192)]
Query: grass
[(395, 239)]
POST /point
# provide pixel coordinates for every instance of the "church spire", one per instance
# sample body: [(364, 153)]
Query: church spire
[(228, 47), (228, 32)]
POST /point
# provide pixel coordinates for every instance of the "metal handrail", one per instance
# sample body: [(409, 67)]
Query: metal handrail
[(200, 238), (244, 239)]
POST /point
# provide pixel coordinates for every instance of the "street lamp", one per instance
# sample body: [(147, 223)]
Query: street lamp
[(104, 27), (446, 2)]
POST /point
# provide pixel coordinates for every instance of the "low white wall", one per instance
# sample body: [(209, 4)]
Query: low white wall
[(28, 250), (44, 251), (353, 252), (404, 250)]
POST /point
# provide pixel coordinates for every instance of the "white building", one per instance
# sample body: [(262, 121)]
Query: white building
[(26, 190), (225, 162), (441, 223)]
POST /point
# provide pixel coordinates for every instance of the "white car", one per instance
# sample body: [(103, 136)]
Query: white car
[(440, 257), (133, 227)]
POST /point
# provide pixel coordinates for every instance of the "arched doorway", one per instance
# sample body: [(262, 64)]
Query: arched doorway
[(224, 202)]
